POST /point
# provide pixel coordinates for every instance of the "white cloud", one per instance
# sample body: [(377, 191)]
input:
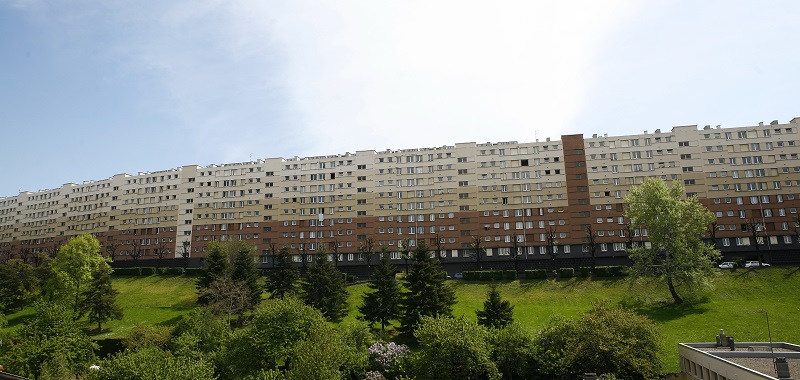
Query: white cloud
[(373, 75)]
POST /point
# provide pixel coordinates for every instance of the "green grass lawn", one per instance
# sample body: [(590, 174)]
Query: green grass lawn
[(152, 300), (733, 304)]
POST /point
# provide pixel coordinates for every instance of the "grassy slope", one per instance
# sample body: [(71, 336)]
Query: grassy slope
[(153, 300), (730, 305)]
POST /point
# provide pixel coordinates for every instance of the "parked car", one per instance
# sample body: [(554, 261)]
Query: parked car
[(727, 265), (755, 264)]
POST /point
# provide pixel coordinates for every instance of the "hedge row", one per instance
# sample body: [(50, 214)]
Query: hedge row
[(149, 271), (490, 275), (535, 274), (566, 272), (610, 271)]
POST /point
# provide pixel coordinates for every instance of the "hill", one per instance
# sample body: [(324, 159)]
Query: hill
[(736, 303)]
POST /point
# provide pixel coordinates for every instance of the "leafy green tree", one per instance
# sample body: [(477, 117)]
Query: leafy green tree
[(513, 351), (18, 285), (142, 336), (282, 279), (427, 293), (72, 270), (49, 343), (225, 297), (675, 226), (269, 339), (319, 356), (497, 312), (99, 299), (325, 289), (382, 304), (453, 349), (198, 334), (152, 363), (606, 340), (246, 273), (216, 263)]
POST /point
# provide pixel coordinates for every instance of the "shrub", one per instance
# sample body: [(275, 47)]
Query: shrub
[(608, 340), (585, 271), (471, 276), (194, 271), (125, 272), (566, 272), (453, 349), (536, 274), (617, 271), (509, 275)]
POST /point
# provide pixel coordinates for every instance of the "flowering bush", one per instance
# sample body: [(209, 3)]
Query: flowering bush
[(387, 358), (374, 375)]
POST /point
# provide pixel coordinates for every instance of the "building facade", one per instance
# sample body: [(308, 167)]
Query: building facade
[(533, 195)]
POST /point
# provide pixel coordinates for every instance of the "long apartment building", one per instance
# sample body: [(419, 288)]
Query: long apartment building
[(495, 193)]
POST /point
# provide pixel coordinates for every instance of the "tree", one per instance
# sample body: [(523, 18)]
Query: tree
[(427, 293), (383, 303), (552, 249), (246, 273), (497, 313), (712, 233), (405, 251), (325, 289), (51, 338), (227, 297), (606, 340), (514, 353), (185, 252), (161, 251), (756, 230), (591, 244), (477, 242), (136, 251), (281, 281), (153, 363), (18, 285), (73, 268), (453, 349), (216, 267), (441, 251), (100, 298), (515, 252), (334, 248), (112, 248), (367, 251), (677, 254), (269, 339), (796, 222)]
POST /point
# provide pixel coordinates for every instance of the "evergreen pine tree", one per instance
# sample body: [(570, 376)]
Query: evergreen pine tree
[(324, 288), (383, 304), (497, 313), (281, 280), (216, 268), (427, 293), (245, 272), (100, 298)]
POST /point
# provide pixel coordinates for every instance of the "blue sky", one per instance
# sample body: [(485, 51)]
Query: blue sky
[(90, 89)]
